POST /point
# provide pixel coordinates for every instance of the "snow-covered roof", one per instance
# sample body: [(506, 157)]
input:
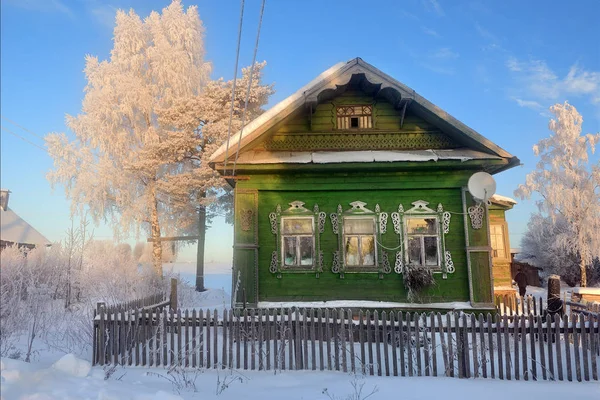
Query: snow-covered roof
[(14, 229), (323, 157), (340, 75), (502, 200)]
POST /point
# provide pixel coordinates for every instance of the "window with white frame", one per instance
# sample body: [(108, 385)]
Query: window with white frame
[(355, 116), (359, 242), (422, 241), (298, 242), (497, 241)]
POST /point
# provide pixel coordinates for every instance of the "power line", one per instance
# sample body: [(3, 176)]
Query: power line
[(237, 58), (25, 129), (25, 140), (237, 152)]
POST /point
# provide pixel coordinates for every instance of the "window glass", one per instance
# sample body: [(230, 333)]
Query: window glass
[(414, 250), (351, 248), (367, 250), (359, 225), (289, 250), (422, 226), (306, 250), (431, 256), (298, 226)]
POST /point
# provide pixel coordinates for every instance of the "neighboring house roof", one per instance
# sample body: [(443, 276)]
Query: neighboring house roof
[(14, 229), (326, 86), (503, 200)]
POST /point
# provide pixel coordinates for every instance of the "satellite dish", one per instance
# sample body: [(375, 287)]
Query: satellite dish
[(482, 186)]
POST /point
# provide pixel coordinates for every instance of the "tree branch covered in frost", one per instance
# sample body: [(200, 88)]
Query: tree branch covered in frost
[(569, 187)]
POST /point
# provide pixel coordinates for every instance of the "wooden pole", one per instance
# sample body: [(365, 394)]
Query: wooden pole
[(200, 251), (173, 297), (554, 302)]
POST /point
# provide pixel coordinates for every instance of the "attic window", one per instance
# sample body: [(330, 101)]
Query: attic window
[(355, 117)]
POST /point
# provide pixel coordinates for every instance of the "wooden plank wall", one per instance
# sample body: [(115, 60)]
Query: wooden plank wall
[(390, 343)]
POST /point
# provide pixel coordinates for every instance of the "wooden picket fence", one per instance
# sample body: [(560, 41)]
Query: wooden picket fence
[(527, 347), (153, 301), (530, 305)]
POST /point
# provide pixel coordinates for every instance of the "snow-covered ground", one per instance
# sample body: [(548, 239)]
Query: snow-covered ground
[(73, 379), (54, 375)]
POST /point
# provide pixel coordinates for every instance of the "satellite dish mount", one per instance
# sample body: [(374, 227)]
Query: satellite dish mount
[(482, 187)]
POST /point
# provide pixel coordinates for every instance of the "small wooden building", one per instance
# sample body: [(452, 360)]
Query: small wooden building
[(344, 185), (499, 240)]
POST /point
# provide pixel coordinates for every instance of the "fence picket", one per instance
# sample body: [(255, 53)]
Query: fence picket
[(482, 348), (164, 336), (342, 333), (252, 340), (313, 338), (238, 338), (550, 338), (531, 331), (584, 345), (351, 339), (245, 334), (474, 345), (567, 338), (516, 362), (409, 343), (417, 343), (276, 336), (394, 343), (193, 347), (336, 338), (524, 360), (499, 347), (368, 330), (506, 347), (576, 347), (321, 338), (305, 338), (224, 355), (361, 339), (433, 345), (172, 331), (384, 341), (450, 346), (261, 338), (594, 344), (443, 342), (290, 339), (377, 341), (401, 343)]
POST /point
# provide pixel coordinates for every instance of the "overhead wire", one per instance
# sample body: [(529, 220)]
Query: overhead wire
[(23, 139), (22, 127), (237, 58), (237, 152)]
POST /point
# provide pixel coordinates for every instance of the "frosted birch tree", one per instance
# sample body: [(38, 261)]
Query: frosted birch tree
[(115, 166), (568, 184)]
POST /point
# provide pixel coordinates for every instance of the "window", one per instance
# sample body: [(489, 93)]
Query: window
[(497, 241), (297, 242), (422, 241), (359, 242), (355, 117)]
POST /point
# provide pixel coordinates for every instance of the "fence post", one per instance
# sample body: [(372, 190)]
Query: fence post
[(173, 298), (554, 301)]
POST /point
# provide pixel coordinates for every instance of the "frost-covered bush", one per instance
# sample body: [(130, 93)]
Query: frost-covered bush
[(416, 279)]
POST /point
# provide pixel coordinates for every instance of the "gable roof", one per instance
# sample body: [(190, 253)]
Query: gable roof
[(340, 75), (14, 229)]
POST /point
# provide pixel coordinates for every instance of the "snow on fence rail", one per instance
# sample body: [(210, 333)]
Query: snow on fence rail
[(528, 347)]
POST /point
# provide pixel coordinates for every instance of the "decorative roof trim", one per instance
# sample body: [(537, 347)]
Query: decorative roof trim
[(338, 75)]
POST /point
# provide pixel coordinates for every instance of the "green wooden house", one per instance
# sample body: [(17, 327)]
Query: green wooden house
[(344, 185)]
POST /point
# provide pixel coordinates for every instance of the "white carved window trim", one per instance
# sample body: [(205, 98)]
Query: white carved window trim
[(358, 210), (420, 209), (360, 266), (297, 236), (297, 210), (437, 235)]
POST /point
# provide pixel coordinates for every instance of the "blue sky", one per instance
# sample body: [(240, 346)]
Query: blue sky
[(495, 65)]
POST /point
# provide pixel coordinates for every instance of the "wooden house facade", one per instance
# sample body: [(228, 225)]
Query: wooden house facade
[(343, 186)]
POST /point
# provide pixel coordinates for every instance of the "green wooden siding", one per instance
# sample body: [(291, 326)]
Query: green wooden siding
[(306, 287)]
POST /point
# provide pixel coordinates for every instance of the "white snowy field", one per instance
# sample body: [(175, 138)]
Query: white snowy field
[(74, 379)]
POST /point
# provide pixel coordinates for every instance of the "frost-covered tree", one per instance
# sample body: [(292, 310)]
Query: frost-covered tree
[(569, 188), (115, 166)]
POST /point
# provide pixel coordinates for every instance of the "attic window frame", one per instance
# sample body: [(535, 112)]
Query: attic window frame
[(345, 113)]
